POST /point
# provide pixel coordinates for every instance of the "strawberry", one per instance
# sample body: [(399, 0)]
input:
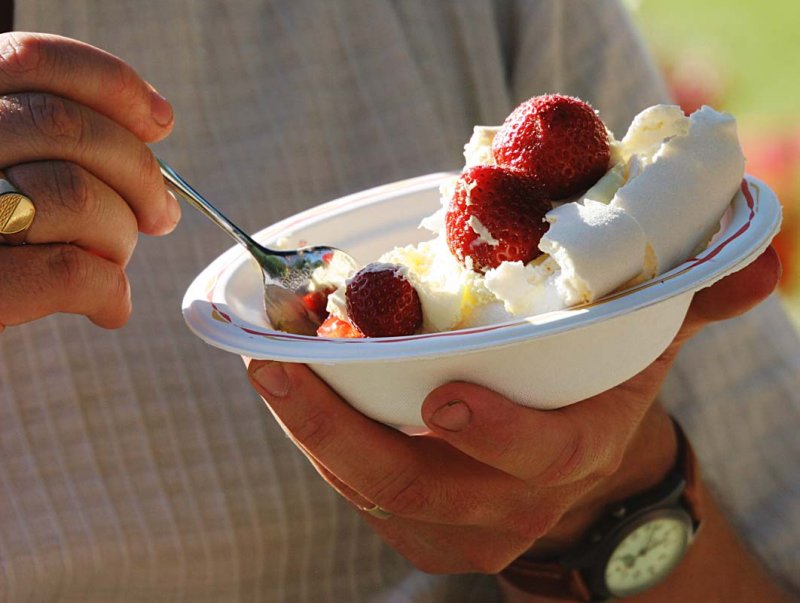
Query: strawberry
[(506, 207), (317, 301), (336, 328), (382, 302), (558, 140)]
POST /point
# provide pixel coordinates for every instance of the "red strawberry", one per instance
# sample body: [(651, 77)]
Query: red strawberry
[(336, 328), (382, 302), (558, 140), (507, 206), (317, 301)]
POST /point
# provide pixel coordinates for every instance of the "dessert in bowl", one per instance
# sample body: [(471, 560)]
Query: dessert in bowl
[(596, 333)]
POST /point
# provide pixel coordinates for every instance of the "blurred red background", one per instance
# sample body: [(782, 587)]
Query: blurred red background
[(741, 56)]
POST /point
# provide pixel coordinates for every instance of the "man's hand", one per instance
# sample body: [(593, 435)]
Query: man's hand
[(494, 479), (74, 121)]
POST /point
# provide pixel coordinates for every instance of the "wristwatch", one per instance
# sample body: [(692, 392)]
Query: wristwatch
[(636, 545)]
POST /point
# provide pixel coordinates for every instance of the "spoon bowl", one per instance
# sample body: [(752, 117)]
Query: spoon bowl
[(296, 281)]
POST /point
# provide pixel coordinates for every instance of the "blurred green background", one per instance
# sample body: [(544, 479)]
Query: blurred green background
[(743, 57)]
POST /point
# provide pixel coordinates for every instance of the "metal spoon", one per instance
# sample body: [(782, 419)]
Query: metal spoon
[(291, 277)]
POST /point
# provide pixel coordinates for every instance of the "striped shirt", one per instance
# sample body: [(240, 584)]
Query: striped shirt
[(139, 465)]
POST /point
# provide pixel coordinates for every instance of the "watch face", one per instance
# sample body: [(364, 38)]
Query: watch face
[(647, 554)]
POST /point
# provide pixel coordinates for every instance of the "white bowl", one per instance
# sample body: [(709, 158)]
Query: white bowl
[(545, 361)]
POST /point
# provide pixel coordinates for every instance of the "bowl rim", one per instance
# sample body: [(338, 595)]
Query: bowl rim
[(755, 217)]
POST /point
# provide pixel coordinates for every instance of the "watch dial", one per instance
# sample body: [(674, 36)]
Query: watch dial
[(646, 556)]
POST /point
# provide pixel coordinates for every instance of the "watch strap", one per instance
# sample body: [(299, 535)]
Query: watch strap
[(551, 579), (690, 468)]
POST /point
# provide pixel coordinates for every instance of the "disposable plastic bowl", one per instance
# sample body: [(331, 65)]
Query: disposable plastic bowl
[(545, 361)]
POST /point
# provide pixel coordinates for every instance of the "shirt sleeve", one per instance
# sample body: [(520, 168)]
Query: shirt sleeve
[(586, 49)]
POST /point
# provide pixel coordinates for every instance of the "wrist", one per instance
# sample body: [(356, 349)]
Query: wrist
[(715, 568), (642, 534), (650, 456)]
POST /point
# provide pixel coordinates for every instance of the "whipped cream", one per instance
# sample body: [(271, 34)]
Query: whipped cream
[(670, 180)]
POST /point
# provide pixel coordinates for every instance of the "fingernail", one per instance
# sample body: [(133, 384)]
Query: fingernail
[(273, 378), (453, 416), (169, 217), (173, 210), (160, 109)]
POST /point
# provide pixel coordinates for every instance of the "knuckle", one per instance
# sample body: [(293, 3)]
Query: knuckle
[(72, 188), (56, 118), (402, 492), (567, 464), (125, 85), (68, 265), (22, 53), (610, 463), (502, 445), (315, 433), (120, 80)]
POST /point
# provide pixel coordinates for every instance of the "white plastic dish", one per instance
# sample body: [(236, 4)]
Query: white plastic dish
[(545, 361)]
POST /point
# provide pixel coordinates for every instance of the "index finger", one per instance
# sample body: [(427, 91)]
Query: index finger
[(31, 62)]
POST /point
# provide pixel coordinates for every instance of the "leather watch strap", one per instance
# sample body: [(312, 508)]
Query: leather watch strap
[(553, 580), (6, 15), (547, 580), (690, 468)]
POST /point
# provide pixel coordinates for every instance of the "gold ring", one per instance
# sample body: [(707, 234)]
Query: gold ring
[(377, 511), (16, 213)]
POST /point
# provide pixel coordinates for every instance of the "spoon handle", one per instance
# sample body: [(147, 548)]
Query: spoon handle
[(185, 190)]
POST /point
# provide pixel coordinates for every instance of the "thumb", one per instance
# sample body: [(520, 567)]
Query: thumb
[(543, 447)]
